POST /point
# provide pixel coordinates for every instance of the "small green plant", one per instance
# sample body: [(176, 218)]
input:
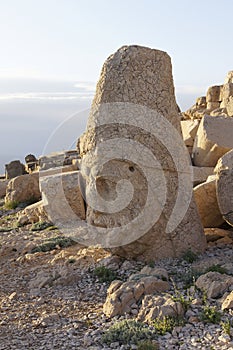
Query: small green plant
[(210, 314), (226, 327), (166, 324), (5, 229), (189, 256), (189, 278), (5, 219), (216, 268), (54, 243), (185, 299), (148, 345), (151, 264), (11, 205), (104, 274), (40, 225), (128, 331)]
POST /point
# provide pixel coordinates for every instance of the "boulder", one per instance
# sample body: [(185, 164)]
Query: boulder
[(207, 204), (227, 92), (229, 77), (211, 106), (219, 112), (229, 106), (225, 162), (24, 188), (189, 130), (227, 302), (227, 98), (224, 188), (214, 94), (213, 139), (62, 199), (3, 187), (156, 306), (32, 214), (133, 102), (122, 296), (214, 284), (14, 169), (215, 236), (201, 101), (200, 174), (31, 163), (197, 110)]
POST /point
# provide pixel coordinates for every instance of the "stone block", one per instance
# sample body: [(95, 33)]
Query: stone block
[(213, 139)]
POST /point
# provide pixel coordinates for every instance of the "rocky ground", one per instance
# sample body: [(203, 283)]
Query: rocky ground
[(51, 296)]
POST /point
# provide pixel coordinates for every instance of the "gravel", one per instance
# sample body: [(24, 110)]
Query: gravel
[(66, 312)]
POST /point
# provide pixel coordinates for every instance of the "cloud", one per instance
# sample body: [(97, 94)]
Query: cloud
[(28, 89), (25, 85), (85, 85), (46, 96)]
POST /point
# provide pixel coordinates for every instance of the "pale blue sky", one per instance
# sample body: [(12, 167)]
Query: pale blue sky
[(52, 52)]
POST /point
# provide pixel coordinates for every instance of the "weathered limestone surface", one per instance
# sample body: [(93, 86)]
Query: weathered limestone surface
[(225, 194), (229, 106), (157, 307), (228, 302), (214, 284), (197, 110), (229, 77), (57, 170), (225, 162), (3, 187), (218, 236), (32, 213), (189, 130), (143, 77), (31, 163), (214, 93), (224, 186), (207, 204), (122, 296), (200, 174), (23, 188), (213, 139), (62, 198), (57, 159)]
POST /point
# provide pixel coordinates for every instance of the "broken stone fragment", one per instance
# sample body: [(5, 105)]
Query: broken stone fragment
[(62, 198), (213, 139), (207, 204), (122, 296), (214, 284), (24, 188)]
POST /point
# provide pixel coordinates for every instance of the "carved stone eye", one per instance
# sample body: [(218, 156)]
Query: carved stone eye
[(131, 168)]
